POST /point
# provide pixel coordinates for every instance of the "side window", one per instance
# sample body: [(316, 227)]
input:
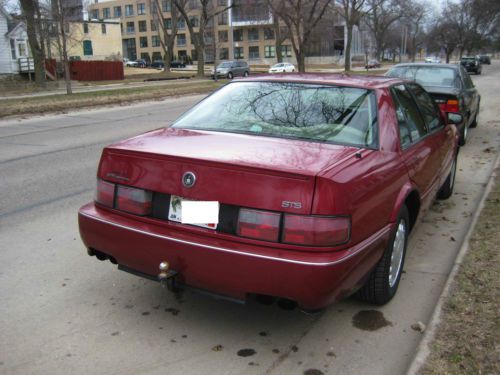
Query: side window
[(411, 124), (427, 107), (467, 80)]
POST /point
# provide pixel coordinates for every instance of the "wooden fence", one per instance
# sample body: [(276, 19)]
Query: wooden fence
[(96, 70)]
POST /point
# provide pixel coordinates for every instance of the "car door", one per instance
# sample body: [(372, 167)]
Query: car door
[(420, 150), (470, 97)]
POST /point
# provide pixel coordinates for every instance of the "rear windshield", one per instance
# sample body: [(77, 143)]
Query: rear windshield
[(224, 65), (468, 59), (427, 76), (333, 114)]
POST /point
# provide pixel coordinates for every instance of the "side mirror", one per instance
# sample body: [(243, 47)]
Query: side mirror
[(454, 118)]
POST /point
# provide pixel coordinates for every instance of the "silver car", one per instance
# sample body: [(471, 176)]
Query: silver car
[(230, 69)]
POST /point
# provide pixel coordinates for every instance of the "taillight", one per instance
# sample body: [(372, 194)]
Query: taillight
[(257, 224), (450, 106), (315, 230), (105, 193), (133, 200)]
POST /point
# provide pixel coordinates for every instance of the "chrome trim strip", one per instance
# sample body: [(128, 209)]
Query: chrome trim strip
[(358, 248)]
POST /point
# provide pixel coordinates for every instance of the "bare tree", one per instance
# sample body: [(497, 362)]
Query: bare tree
[(301, 18), (208, 11), (166, 32), (30, 12), (415, 15), (63, 30), (379, 16), (351, 12)]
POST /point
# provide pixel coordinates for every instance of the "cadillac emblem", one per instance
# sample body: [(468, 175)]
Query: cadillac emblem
[(188, 179)]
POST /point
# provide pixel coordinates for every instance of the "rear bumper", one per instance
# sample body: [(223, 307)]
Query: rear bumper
[(233, 269)]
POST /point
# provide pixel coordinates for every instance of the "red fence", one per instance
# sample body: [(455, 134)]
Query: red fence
[(50, 67), (96, 70)]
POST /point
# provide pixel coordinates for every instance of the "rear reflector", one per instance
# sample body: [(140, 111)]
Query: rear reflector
[(315, 230), (132, 200), (257, 224), (105, 193)]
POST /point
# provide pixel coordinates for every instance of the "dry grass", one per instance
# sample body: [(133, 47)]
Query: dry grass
[(56, 103), (467, 340)]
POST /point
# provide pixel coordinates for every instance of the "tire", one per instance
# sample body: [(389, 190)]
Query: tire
[(383, 282), (447, 189), (463, 136), (245, 74), (230, 75)]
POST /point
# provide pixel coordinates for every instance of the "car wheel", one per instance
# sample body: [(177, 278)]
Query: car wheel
[(383, 282), (230, 75), (245, 74), (447, 189), (474, 122), (463, 136)]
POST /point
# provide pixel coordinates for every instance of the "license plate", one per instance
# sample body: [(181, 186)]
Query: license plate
[(203, 214)]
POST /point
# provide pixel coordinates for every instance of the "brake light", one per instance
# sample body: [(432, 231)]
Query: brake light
[(450, 106), (257, 224), (105, 193), (315, 230), (133, 200)]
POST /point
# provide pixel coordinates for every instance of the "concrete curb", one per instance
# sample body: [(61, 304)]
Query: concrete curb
[(423, 350)]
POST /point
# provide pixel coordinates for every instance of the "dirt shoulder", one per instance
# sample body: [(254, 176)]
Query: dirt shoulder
[(467, 339), (57, 103)]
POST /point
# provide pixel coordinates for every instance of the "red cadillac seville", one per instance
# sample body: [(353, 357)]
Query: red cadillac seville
[(314, 183)]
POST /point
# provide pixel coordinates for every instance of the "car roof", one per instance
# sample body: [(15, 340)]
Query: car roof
[(340, 79), (428, 65)]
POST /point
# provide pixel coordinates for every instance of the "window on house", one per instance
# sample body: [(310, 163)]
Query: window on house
[(167, 23), (195, 21), (106, 13), (130, 28), (286, 50), (238, 53), (165, 6), (181, 40), (145, 56), (223, 36), (222, 18), (269, 51), (193, 4), (141, 8), (224, 54), (94, 14), (222, 2), (181, 24), (103, 28), (143, 41), (253, 52), (143, 27), (155, 41), (87, 48), (153, 25), (157, 56), (117, 12), (238, 35), (85, 28), (253, 34), (13, 49), (129, 10), (268, 34)]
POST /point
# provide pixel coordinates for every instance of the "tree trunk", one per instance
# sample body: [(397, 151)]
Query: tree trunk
[(347, 55), (200, 52), (28, 9), (301, 61)]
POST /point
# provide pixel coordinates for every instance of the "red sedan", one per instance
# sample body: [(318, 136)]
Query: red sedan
[(302, 187)]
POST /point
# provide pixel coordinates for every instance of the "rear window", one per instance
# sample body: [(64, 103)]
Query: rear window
[(322, 113), (427, 76)]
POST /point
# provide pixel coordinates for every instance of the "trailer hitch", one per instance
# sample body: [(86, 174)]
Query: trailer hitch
[(166, 277)]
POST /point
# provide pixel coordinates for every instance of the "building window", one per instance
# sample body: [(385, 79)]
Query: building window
[(181, 24), (268, 34), (193, 4), (143, 26), (106, 13), (269, 51), (130, 28), (87, 48), (181, 40), (286, 50), (238, 35), (222, 18), (129, 10), (103, 28), (85, 28), (167, 23), (94, 14), (223, 54), (145, 56), (143, 41), (13, 49), (223, 36), (253, 52), (117, 12), (222, 2), (157, 56), (238, 53), (165, 6), (253, 34), (153, 25), (195, 21), (155, 41), (141, 9)]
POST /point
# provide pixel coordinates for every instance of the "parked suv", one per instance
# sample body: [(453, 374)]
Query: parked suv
[(485, 59), (231, 69), (471, 64)]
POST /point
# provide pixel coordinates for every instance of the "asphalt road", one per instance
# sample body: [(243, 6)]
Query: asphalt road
[(63, 312)]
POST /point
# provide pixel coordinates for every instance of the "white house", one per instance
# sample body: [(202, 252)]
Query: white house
[(13, 43)]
